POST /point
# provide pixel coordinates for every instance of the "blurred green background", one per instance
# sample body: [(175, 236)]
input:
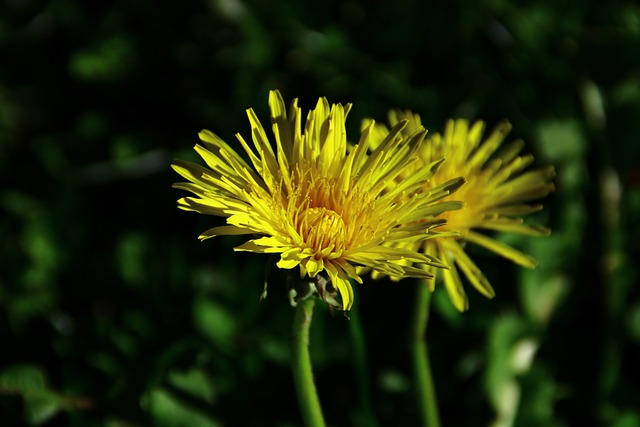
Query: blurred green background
[(112, 313)]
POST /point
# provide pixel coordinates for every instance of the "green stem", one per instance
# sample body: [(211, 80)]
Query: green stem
[(301, 365), (427, 401), (361, 366)]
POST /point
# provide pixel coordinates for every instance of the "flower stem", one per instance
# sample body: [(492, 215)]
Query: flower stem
[(361, 365), (427, 401), (301, 365)]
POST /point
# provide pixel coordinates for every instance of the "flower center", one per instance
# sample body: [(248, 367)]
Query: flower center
[(323, 230), (474, 194)]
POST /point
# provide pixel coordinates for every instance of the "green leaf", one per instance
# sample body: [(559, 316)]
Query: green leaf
[(23, 379), (193, 381), (215, 322), (30, 382), (168, 411)]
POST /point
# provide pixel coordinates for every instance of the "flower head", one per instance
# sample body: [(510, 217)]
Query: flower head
[(318, 202), (495, 197)]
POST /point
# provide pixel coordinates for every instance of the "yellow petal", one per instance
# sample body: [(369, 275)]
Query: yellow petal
[(470, 269), (502, 249), (453, 284), (225, 230), (343, 286)]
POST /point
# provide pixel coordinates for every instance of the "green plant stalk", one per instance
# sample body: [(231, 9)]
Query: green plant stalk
[(427, 402), (361, 365), (301, 365)]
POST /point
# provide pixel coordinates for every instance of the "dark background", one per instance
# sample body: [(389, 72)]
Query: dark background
[(112, 313)]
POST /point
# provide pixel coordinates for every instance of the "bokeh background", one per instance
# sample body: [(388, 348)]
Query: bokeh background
[(113, 314)]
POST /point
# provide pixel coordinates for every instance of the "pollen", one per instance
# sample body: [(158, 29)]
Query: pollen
[(324, 231)]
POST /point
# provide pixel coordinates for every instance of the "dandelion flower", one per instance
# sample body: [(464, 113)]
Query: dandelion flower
[(320, 203), (496, 195)]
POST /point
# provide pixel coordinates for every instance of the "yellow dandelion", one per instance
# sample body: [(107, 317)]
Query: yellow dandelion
[(495, 197), (318, 202)]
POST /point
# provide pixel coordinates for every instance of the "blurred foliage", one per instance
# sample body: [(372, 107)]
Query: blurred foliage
[(111, 312)]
